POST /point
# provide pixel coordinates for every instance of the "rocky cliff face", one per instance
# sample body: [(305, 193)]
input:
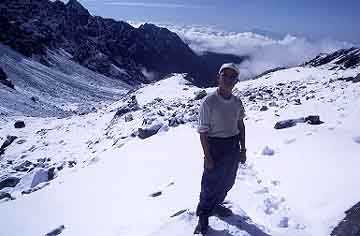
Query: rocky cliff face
[(341, 59), (113, 48)]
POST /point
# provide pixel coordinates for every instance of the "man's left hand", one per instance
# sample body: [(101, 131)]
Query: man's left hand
[(242, 156)]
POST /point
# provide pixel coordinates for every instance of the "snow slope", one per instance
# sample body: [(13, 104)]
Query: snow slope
[(56, 90), (123, 185)]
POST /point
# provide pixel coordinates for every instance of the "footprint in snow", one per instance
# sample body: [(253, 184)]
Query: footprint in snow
[(357, 139), (272, 204), (267, 151), (289, 141)]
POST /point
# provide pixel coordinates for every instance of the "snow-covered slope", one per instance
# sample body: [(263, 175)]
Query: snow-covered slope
[(57, 90), (297, 181)]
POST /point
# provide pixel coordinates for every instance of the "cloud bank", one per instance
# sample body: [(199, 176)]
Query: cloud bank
[(265, 52)]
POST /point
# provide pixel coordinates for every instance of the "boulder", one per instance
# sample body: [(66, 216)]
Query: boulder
[(19, 124), (129, 117), (4, 195), (285, 124), (264, 108), (356, 79), (56, 231), (313, 120), (9, 140), (3, 75), (144, 133), (200, 94), (350, 225), (9, 182)]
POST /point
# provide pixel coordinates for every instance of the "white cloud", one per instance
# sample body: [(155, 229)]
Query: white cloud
[(265, 53)]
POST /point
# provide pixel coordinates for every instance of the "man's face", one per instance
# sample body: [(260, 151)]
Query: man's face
[(227, 79)]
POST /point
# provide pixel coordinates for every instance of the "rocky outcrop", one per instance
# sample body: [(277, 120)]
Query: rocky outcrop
[(350, 225), (9, 140), (4, 79), (9, 182), (341, 59)]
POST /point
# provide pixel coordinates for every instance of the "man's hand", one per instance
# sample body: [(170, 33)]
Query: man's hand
[(242, 156), (208, 163)]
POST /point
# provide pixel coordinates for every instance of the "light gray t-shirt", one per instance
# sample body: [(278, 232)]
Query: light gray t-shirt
[(219, 116)]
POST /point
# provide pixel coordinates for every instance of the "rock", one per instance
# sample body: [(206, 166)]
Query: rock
[(264, 108), (21, 141), (4, 195), (129, 117), (351, 79), (23, 167), (19, 124), (71, 164), (346, 58), (297, 101), (4, 79), (175, 121), (9, 140), (8, 83), (347, 79), (156, 194), (200, 94), (51, 173), (269, 91), (160, 113), (285, 124), (267, 151), (121, 111), (273, 104), (178, 213), (40, 176), (144, 133), (284, 222), (309, 96), (350, 225), (158, 99), (59, 229), (3, 75), (9, 182), (252, 98), (313, 120), (356, 79)]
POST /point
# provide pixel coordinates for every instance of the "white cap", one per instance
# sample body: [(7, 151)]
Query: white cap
[(230, 66)]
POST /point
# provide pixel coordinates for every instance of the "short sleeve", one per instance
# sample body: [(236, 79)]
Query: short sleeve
[(204, 117), (241, 110)]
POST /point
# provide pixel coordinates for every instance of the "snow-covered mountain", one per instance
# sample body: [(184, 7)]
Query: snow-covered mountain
[(60, 89), (145, 53), (133, 167)]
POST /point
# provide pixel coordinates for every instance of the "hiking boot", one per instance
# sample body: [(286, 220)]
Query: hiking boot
[(222, 211), (203, 225)]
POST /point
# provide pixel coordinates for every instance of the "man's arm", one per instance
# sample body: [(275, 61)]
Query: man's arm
[(208, 161), (205, 143), (241, 127)]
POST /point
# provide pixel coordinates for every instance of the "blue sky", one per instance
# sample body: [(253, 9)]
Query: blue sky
[(313, 19)]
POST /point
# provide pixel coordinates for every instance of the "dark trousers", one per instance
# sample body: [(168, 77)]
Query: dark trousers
[(216, 183)]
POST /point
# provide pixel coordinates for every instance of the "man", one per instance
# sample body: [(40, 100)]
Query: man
[(222, 136)]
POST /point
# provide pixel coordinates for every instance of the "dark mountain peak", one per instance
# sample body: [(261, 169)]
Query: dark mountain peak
[(76, 7), (102, 45), (345, 58)]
